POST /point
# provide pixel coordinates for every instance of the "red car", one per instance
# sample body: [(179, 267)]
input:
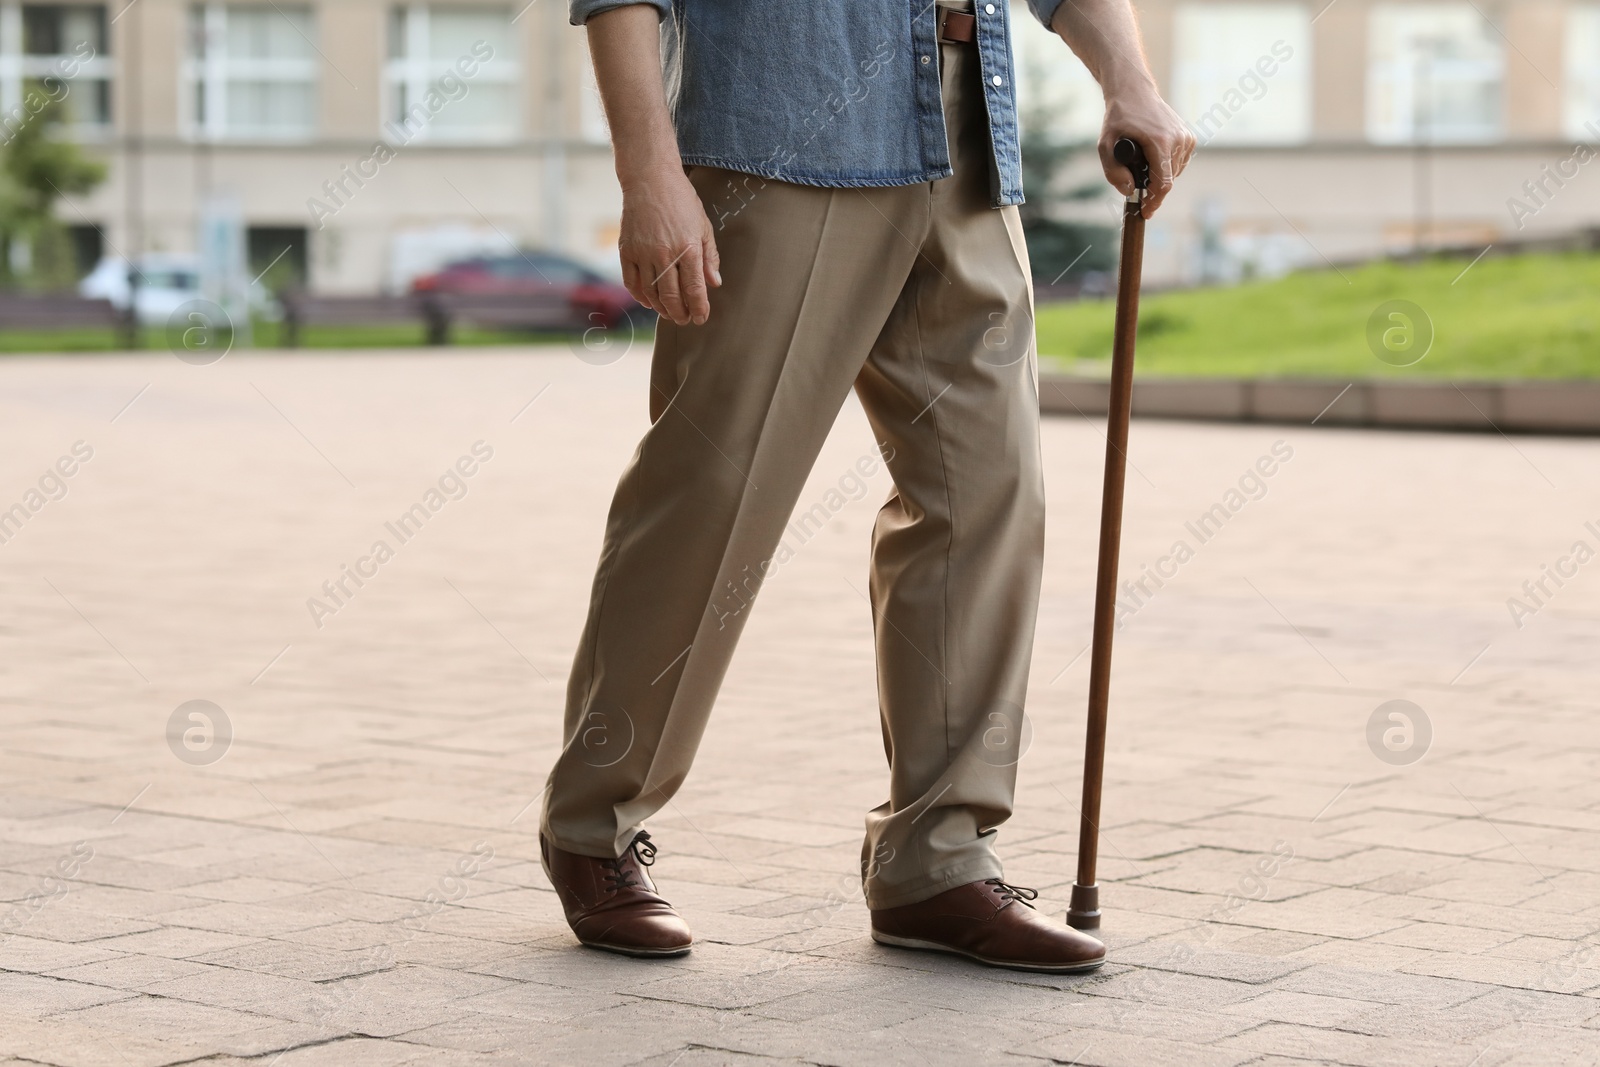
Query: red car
[(535, 290)]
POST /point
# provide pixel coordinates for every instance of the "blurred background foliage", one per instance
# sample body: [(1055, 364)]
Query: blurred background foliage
[(37, 169), (1059, 175)]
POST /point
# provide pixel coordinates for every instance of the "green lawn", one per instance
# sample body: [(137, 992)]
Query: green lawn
[(1534, 316), (1513, 317)]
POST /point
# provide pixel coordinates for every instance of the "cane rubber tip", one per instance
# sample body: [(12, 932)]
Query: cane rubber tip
[(1084, 911)]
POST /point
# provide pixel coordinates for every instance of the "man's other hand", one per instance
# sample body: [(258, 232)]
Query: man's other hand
[(669, 256)]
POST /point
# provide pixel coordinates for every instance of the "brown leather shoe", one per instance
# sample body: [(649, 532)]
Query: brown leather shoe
[(993, 923), (612, 904)]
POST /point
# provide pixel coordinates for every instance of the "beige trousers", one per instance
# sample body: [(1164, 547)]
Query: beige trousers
[(918, 296)]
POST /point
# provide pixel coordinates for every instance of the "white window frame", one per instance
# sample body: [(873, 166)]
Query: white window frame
[(417, 69), (1582, 95), (1202, 84), (1396, 79), (17, 68), (216, 69)]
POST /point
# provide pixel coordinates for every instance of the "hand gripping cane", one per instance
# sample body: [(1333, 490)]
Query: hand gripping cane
[(1084, 913)]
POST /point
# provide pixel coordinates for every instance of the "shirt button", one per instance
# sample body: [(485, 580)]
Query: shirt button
[(925, 61), (988, 9), (998, 80)]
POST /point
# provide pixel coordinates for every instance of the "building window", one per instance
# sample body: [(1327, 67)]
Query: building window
[(1583, 73), (1242, 72), (452, 75), (277, 256), (88, 245), (1436, 75), (59, 52), (251, 73)]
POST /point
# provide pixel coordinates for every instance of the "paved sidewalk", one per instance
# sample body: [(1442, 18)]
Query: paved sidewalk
[(355, 881)]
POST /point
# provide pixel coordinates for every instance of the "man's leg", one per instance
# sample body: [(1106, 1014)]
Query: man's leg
[(957, 554), (958, 549), (740, 407)]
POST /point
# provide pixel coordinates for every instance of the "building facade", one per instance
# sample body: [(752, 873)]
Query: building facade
[(356, 138), (359, 141), (1336, 131)]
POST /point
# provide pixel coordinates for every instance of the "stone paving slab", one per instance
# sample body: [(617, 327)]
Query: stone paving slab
[(1280, 886)]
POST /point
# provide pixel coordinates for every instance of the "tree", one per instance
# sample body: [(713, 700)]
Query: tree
[(1056, 244), (37, 169)]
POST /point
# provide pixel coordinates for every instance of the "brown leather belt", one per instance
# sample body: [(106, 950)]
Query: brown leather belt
[(957, 27)]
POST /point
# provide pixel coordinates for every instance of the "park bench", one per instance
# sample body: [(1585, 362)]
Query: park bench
[(305, 309), (516, 311), (53, 311)]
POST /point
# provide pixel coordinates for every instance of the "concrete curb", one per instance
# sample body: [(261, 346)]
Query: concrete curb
[(1547, 407)]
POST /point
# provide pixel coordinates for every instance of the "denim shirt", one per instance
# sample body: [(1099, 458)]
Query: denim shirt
[(827, 92)]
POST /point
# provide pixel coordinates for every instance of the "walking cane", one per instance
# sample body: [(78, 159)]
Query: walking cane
[(1084, 912)]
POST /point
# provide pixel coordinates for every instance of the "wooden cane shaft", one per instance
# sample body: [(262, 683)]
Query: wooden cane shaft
[(1105, 592)]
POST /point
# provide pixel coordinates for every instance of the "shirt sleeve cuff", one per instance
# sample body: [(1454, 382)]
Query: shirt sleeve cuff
[(1045, 9), (584, 10)]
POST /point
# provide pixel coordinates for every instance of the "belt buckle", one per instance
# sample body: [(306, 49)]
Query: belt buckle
[(943, 17)]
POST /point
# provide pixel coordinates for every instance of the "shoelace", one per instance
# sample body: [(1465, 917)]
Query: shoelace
[(643, 853), (1012, 894)]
